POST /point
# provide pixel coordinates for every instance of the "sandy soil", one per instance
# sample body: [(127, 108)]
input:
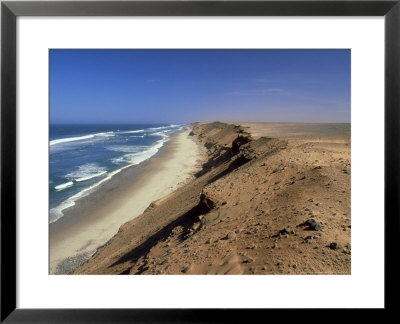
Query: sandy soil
[(259, 205), (309, 131), (97, 217)]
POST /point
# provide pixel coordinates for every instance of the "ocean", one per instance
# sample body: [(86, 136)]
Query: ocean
[(82, 157)]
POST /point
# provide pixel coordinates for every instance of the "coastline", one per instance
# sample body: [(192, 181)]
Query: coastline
[(96, 217)]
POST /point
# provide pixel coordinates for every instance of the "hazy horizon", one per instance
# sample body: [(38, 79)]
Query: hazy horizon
[(199, 121), (186, 86)]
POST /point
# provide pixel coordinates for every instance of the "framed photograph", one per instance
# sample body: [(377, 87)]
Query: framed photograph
[(197, 160)]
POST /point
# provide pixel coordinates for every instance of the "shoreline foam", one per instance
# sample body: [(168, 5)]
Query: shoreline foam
[(96, 218), (133, 158)]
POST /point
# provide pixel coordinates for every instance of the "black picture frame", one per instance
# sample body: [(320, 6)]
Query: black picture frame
[(10, 10)]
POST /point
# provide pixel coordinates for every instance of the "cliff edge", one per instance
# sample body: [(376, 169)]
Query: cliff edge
[(257, 206)]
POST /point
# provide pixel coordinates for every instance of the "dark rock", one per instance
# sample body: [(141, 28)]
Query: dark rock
[(286, 230), (249, 260), (150, 207), (316, 227), (276, 170), (334, 246), (223, 203), (187, 269), (312, 224)]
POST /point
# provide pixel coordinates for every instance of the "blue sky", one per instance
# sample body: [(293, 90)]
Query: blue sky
[(183, 86)]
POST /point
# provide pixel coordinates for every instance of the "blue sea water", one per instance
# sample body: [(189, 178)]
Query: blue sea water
[(82, 157)]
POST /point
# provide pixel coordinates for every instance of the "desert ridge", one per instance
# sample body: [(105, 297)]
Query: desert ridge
[(258, 205)]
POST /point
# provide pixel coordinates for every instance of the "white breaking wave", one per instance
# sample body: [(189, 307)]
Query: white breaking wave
[(56, 213), (163, 134), (132, 132), (86, 172), (64, 186), (138, 157), (79, 138), (163, 127), (127, 148), (105, 134), (91, 177)]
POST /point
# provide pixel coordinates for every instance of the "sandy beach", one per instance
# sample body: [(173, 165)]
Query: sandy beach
[(269, 199), (97, 217)]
